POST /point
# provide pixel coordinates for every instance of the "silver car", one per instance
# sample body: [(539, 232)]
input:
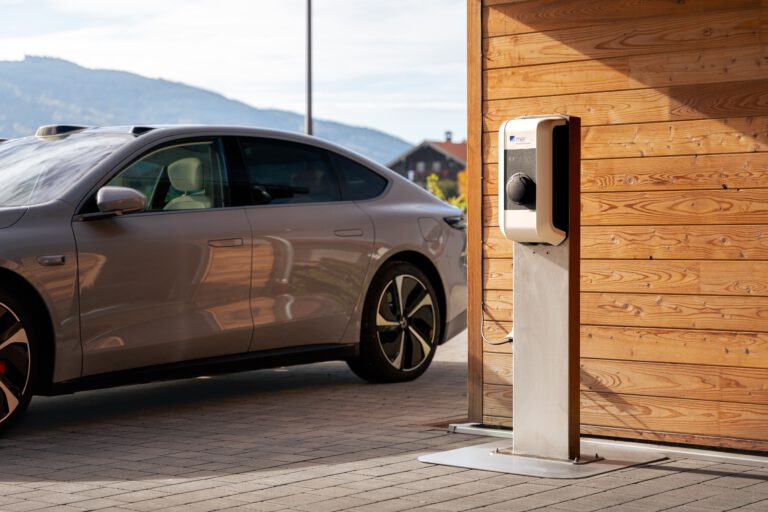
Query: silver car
[(130, 254)]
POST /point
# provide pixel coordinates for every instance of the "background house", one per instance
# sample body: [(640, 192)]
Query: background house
[(444, 158)]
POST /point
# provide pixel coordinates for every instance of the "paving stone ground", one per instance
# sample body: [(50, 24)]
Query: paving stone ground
[(309, 439)]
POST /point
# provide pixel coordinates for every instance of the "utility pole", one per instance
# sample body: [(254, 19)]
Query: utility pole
[(308, 117)]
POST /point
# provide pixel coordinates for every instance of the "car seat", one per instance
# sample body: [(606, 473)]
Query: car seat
[(186, 176)]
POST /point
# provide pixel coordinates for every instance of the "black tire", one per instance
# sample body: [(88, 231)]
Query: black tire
[(19, 355), (401, 325)]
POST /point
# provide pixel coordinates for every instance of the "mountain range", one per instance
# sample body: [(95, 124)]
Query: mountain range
[(40, 90)]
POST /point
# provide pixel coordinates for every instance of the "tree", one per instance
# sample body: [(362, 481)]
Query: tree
[(460, 201)]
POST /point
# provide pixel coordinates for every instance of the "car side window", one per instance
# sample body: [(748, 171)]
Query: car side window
[(357, 181), (287, 173), (184, 176)]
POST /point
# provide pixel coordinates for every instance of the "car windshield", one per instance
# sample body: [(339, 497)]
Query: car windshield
[(35, 170)]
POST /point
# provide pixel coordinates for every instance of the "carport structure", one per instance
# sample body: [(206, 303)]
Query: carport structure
[(673, 99)]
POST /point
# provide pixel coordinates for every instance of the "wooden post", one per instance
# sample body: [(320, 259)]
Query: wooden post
[(475, 209)]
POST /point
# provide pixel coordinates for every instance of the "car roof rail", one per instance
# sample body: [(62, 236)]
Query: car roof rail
[(53, 130), (140, 130)]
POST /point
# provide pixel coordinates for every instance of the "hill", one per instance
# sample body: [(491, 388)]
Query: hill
[(41, 90)]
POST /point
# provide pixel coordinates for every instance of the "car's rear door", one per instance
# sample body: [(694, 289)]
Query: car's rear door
[(172, 283), (311, 250)]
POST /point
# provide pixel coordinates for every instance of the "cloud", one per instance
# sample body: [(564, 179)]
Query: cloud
[(404, 54)]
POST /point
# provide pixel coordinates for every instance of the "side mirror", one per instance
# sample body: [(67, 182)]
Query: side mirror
[(120, 200)]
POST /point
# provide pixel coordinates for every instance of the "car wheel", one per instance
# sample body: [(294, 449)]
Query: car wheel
[(18, 349), (401, 326)]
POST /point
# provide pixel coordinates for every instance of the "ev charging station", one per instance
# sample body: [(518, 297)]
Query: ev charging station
[(539, 209), (534, 212)]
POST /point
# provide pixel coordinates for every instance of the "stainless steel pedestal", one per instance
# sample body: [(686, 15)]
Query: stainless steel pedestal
[(488, 457)]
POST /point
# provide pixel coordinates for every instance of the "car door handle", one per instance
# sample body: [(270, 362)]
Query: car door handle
[(226, 242), (348, 232)]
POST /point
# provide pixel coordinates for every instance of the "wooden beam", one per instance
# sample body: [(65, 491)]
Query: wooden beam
[(474, 214), (697, 172), (650, 174), (622, 73), (664, 345), (711, 136), (693, 32), (504, 17), (741, 278), (717, 242), (674, 311), (743, 98), (684, 381), (749, 206), (667, 437), (702, 417)]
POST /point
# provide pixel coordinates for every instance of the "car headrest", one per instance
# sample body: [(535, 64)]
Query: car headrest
[(186, 175)]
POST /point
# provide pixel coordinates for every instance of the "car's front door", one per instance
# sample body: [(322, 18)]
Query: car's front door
[(311, 250), (171, 283)]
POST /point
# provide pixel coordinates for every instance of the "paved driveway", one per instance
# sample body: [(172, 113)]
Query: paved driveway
[(311, 438)]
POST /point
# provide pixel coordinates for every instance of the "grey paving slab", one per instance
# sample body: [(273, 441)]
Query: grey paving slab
[(309, 439)]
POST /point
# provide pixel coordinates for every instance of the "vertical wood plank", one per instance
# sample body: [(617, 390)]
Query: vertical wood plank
[(474, 213)]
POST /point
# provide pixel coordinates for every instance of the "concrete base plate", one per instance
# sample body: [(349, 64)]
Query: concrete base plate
[(489, 457)]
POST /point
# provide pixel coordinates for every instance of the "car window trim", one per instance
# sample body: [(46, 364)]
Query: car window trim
[(135, 157), (323, 152), (366, 167)]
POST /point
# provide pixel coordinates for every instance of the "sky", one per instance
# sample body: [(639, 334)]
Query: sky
[(397, 66)]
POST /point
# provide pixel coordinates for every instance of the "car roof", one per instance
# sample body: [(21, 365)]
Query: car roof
[(146, 136), (152, 133)]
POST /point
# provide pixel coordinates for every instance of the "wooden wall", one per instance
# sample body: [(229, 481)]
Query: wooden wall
[(673, 98)]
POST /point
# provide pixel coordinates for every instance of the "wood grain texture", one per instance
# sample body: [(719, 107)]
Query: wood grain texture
[(684, 381), (474, 213), (676, 311), (497, 400), (742, 278), (674, 173), (700, 417), (671, 437), (674, 239), (498, 305), (497, 369), (622, 73), (711, 136), (672, 207), (495, 244), (491, 211), (495, 327), (574, 284), (697, 172), (687, 102), (502, 17), (693, 32), (650, 436), (724, 242), (496, 333), (497, 274), (730, 135), (724, 348)]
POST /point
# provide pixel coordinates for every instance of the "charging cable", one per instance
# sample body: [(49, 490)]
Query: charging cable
[(502, 341)]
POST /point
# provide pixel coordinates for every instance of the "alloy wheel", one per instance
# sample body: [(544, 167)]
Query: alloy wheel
[(405, 322), (14, 361)]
